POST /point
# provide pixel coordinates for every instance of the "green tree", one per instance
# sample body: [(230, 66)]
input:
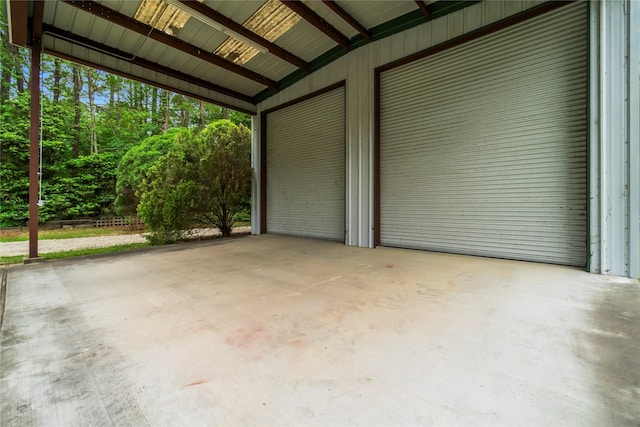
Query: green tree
[(14, 160), (83, 188), (206, 179), (90, 119), (134, 167)]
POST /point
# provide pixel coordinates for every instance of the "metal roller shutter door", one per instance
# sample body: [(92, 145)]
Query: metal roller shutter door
[(483, 147), (305, 168)]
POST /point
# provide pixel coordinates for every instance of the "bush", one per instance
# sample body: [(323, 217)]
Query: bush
[(135, 165), (206, 179)]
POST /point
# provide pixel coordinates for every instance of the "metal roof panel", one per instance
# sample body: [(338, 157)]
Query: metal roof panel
[(302, 40), (328, 15)]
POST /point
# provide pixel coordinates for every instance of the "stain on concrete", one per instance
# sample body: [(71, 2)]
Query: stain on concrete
[(197, 382)]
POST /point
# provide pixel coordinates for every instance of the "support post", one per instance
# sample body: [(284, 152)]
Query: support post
[(34, 149)]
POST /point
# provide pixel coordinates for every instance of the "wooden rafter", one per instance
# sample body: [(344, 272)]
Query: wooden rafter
[(234, 26), (348, 18), (423, 8), (131, 24), (314, 19), (131, 58)]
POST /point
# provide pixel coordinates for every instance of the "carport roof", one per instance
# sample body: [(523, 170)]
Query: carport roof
[(226, 52)]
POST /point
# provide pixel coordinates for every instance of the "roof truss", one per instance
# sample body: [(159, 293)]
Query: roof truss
[(423, 8), (338, 10), (131, 24), (99, 47), (231, 24), (314, 19), (231, 91)]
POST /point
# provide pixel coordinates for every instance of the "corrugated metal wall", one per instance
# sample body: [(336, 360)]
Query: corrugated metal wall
[(484, 147), (305, 168), (614, 204), (357, 68), (614, 158)]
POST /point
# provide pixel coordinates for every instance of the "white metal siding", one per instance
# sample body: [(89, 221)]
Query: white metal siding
[(615, 139), (305, 168), (483, 147), (357, 68)]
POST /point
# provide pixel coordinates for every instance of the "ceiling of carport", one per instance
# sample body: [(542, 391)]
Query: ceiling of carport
[(190, 58)]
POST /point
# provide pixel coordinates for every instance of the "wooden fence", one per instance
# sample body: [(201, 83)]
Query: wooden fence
[(117, 221)]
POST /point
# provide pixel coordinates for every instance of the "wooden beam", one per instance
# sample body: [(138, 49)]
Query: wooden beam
[(234, 26), (348, 18), (18, 14), (314, 19), (132, 24), (129, 57), (423, 8), (34, 128)]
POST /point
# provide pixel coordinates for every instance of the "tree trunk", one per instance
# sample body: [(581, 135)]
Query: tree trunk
[(112, 96), (91, 92), (154, 103), (203, 119), (77, 88), (17, 67), (5, 83), (225, 113), (225, 221), (57, 63), (7, 65), (165, 102), (118, 106), (184, 111)]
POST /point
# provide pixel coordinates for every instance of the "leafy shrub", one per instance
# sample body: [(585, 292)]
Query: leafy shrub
[(206, 178)]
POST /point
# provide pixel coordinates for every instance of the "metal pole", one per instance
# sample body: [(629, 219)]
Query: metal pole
[(34, 148)]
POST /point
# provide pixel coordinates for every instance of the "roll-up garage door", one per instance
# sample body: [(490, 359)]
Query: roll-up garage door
[(305, 168), (483, 147)]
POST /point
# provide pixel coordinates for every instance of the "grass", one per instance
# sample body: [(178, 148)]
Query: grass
[(16, 259), (14, 235), (63, 233), (77, 252), (23, 235)]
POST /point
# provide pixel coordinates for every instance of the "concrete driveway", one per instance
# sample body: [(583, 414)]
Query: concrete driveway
[(275, 330)]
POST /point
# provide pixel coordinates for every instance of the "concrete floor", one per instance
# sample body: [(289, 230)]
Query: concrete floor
[(275, 330)]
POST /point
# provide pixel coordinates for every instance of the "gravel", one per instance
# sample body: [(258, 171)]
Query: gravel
[(60, 245)]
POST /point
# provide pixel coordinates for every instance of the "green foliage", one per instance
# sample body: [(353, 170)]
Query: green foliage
[(82, 141), (134, 166), (206, 179), (14, 160), (83, 189)]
